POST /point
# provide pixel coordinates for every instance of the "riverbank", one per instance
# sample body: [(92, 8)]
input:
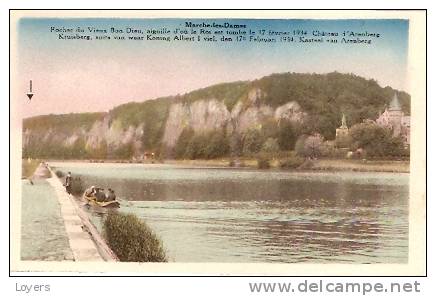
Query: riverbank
[(394, 166), (352, 165), (54, 227)]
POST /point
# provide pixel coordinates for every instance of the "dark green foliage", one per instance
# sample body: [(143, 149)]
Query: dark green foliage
[(269, 129), (124, 151), (152, 114), (132, 240), (314, 92), (299, 145), (63, 122), (236, 144), (197, 147), (292, 162), (229, 93), (287, 135), (218, 145), (324, 97), (253, 141), (78, 150), (54, 148), (100, 152), (183, 142), (207, 145), (376, 140)]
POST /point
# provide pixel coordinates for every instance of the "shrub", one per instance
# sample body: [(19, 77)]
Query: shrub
[(263, 163), (132, 240), (291, 162), (59, 174)]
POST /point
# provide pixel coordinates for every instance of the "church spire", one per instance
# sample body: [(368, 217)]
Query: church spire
[(344, 121), (395, 104)]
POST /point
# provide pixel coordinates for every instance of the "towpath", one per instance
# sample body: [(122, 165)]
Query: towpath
[(54, 225), (84, 239)]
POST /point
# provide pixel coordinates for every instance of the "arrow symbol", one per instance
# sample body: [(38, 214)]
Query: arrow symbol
[(30, 94)]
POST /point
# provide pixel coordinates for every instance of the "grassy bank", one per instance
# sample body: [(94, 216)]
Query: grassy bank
[(289, 161), (396, 166), (400, 166), (28, 167)]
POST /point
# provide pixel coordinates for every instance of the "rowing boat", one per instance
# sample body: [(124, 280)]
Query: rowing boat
[(104, 204)]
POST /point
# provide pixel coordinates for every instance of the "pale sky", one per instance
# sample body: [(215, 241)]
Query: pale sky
[(89, 76)]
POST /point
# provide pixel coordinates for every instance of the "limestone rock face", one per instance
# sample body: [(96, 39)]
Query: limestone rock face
[(201, 115), (290, 111)]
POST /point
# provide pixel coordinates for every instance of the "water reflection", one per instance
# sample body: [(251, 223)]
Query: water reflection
[(226, 215)]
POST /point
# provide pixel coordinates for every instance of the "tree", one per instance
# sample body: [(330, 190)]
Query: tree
[(236, 143), (99, 152), (269, 129), (197, 147), (218, 145), (252, 141), (183, 142), (299, 145), (313, 145), (270, 146), (124, 151), (376, 140), (287, 135)]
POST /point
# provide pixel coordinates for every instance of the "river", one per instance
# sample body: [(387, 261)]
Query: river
[(247, 215)]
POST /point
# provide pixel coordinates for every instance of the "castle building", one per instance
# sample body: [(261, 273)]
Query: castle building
[(393, 118)]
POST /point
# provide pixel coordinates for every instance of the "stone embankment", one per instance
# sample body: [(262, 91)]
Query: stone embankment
[(84, 240)]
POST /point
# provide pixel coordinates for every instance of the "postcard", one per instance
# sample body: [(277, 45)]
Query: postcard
[(218, 142)]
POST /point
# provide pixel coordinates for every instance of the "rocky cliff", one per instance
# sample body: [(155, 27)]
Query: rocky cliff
[(134, 128)]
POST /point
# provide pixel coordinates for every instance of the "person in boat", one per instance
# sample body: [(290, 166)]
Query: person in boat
[(100, 196), (111, 195), (90, 192), (68, 184)]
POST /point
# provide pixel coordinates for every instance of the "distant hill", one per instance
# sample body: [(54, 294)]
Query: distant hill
[(317, 101)]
